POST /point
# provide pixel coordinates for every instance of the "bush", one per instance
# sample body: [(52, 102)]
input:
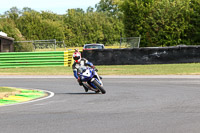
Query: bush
[(23, 47)]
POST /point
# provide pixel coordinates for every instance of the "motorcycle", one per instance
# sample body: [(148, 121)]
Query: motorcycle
[(91, 79)]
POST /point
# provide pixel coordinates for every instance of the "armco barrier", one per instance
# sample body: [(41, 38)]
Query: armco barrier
[(158, 55), (163, 55), (35, 59)]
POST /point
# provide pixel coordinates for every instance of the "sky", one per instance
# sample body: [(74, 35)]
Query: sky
[(56, 6)]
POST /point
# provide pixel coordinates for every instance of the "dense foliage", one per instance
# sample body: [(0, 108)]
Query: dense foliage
[(163, 22), (76, 27), (158, 22)]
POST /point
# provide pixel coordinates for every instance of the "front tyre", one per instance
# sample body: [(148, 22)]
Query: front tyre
[(99, 87)]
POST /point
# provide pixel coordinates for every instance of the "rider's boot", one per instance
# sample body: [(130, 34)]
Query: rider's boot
[(86, 89), (97, 91)]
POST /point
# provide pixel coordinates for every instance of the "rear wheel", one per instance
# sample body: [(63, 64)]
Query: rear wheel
[(99, 87)]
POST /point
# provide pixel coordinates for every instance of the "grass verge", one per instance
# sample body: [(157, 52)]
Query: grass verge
[(159, 69), (6, 89), (10, 95)]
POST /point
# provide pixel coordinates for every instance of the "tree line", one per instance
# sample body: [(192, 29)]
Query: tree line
[(163, 22), (158, 22), (76, 27)]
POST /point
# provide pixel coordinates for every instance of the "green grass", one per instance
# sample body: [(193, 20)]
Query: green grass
[(166, 69), (161, 69), (6, 89), (59, 70)]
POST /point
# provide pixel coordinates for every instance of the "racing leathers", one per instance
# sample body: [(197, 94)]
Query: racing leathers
[(76, 65)]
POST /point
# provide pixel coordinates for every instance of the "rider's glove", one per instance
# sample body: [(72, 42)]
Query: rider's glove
[(95, 68)]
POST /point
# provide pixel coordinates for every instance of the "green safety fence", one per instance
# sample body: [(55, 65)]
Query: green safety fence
[(36, 59)]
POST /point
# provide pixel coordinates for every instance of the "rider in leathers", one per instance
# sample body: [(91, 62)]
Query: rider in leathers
[(78, 61)]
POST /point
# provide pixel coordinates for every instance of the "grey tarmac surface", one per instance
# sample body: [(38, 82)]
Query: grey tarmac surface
[(133, 104)]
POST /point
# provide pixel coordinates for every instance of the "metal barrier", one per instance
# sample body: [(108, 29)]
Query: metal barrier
[(36, 59), (40, 45)]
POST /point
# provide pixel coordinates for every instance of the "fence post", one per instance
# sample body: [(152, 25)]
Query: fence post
[(64, 45), (34, 45), (55, 44), (120, 42), (139, 41)]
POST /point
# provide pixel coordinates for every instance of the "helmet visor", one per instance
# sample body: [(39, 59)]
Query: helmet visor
[(77, 58)]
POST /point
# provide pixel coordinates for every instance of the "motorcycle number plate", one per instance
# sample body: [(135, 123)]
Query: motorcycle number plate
[(87, 73)]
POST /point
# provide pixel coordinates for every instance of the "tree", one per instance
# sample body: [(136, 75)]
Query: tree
[(13, 13), (33, 27), (90, 9), (110, 7), (167, 22), (193, 32), (51, 16), (8, 26), (76, 27), (160, 23), (92, 27), (27, 9), (135, 12)]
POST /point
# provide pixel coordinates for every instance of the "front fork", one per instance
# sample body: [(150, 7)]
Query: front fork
[(99, 80)]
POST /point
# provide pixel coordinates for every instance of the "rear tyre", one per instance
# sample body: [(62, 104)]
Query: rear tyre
[(99, 87)]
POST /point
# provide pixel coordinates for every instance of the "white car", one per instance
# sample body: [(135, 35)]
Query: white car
[(93, 46)]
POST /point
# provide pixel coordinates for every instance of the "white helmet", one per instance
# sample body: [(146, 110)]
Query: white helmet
[(77, 57)]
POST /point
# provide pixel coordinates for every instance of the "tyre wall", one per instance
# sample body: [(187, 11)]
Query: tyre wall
[(163, 55)]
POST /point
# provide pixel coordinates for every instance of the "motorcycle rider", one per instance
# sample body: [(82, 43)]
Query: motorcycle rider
[(78, 62)]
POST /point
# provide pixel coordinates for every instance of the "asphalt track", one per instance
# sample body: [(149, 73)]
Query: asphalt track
[(143, 104)]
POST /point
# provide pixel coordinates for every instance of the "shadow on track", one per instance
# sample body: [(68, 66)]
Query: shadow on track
[(82, 93)]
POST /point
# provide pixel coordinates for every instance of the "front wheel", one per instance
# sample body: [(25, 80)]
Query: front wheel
[(99, 87)]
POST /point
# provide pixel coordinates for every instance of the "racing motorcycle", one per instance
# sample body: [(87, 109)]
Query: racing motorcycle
[(91, 79)]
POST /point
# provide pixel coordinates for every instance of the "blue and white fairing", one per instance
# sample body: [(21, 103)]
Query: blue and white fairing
[(87, 75)]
